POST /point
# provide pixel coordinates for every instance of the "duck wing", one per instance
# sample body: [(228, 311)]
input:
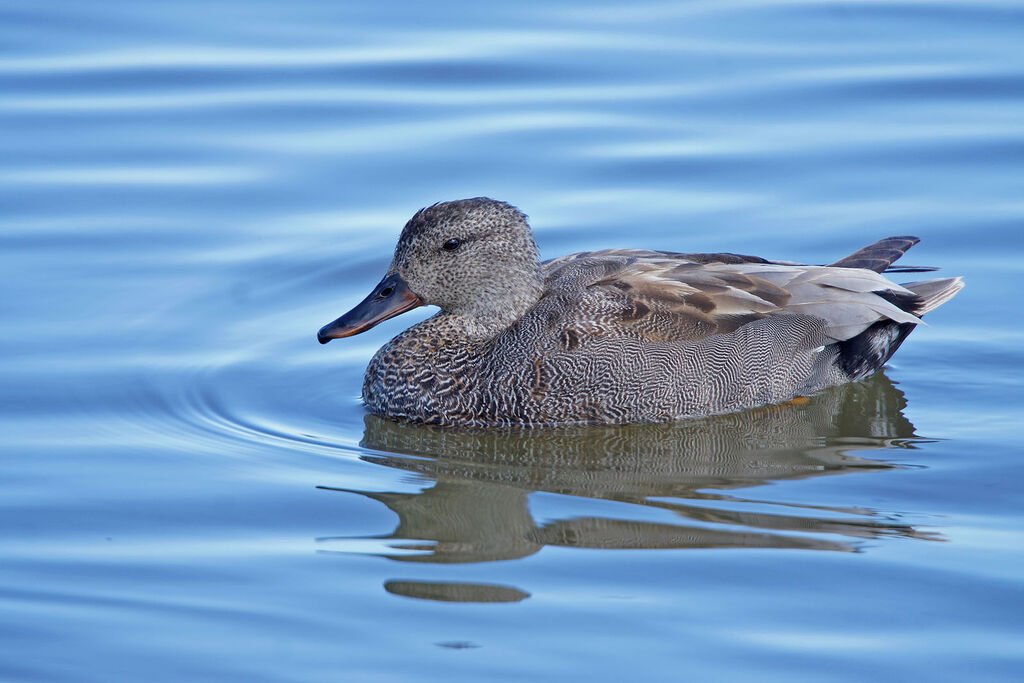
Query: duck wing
[(665, 296), (878, 256)]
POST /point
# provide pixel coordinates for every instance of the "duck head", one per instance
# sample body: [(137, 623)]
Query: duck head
[(473, 258)]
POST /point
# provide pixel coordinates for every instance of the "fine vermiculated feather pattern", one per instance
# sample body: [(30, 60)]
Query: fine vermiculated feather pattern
[(623, 335)]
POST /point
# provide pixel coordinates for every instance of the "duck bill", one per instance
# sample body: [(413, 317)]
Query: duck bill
[(389, 298)]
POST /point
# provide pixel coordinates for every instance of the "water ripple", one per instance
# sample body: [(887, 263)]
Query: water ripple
[(419, 46), (948, 78), (124, 175)]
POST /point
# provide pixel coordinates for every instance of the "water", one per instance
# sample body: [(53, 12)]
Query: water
[(192, 490)]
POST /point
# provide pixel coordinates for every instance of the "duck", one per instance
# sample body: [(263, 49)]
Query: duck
[(619, 335)]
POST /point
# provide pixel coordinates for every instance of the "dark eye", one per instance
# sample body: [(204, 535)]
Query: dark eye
[(452, 244)]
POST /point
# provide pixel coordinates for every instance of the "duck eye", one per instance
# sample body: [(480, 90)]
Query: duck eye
[(452, 244)]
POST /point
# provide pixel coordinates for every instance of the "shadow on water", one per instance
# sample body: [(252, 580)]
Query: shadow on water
[(477, 508)]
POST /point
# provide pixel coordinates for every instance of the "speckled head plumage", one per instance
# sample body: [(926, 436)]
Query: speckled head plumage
[(473, 258), (470, 256)]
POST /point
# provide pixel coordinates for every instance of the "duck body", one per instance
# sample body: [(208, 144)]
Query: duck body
[(617, 336)]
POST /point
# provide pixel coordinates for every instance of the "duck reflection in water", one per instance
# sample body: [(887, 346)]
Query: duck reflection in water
[(477, 508)]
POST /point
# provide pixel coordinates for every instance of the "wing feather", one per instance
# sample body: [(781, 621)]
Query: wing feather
[(663, 296)]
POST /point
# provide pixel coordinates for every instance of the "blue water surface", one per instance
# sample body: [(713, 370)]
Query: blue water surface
[(193, 491)]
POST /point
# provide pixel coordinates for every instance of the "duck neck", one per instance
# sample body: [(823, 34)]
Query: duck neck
[(494, 311)]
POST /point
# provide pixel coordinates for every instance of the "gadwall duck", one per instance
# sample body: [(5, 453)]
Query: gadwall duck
[(619, 335)]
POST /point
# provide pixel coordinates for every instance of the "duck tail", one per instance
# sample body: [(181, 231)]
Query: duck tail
[(934, 293), (878, 256), (872, 348)]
